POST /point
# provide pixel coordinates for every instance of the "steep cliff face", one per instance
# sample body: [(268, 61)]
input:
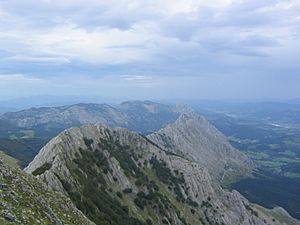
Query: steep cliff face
[(25, 200), (194, 138), (120, 177)]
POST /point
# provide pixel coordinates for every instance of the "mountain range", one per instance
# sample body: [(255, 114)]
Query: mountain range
[(139, 163), (141, 116)]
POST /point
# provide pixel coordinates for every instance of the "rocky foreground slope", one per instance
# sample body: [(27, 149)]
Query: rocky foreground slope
[(25, 200), (115, 176)]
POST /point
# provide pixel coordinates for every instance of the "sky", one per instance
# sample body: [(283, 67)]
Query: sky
[(150, 49)]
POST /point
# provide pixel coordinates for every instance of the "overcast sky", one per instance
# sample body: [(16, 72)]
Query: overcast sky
[(194, 49)]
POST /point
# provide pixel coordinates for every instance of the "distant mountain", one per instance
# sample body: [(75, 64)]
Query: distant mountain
[(141, 116), (147, 116), (62, 117), (115, 176), (5, 109), (25, 200), (22, 103)]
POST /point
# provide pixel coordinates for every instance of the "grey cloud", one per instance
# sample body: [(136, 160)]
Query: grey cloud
[(250, 37)]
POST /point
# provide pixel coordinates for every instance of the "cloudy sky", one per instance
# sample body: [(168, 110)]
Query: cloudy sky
[(199, 49)]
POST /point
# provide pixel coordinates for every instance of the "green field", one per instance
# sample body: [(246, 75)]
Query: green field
[(23, 134)]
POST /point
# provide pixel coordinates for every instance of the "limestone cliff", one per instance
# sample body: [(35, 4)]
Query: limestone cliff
[(194, 138)]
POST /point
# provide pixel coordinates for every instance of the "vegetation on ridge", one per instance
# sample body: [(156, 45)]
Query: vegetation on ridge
[(42, 169), (25, 200), (94, 199)]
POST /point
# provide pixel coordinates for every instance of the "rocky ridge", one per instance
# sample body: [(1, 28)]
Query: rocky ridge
[(194, 138), (138, 181)]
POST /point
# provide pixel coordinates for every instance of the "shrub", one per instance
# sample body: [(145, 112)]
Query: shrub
[(119, 194), (88, 142), (42, 169), (127, 190), (166, 176)]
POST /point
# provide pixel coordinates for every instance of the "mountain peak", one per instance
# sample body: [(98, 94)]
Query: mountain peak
[(193, 137)]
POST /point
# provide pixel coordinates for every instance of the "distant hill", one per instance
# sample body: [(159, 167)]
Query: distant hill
[(141, 116)]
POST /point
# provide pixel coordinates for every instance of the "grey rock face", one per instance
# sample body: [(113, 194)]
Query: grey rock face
[(193, 137), (188, 185)]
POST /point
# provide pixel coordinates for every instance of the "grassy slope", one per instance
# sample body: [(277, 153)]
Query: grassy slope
[(10, 161), (29, 200)]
